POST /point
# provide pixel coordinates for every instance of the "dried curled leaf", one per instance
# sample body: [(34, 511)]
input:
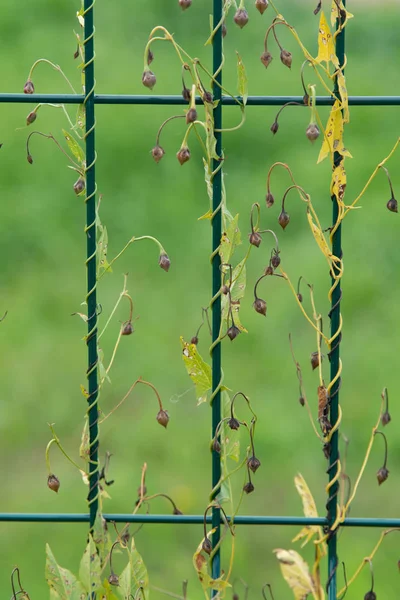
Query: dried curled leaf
[(309, 509), (297, 575)]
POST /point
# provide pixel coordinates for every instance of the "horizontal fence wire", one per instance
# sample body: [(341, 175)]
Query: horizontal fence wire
[(179, 100)]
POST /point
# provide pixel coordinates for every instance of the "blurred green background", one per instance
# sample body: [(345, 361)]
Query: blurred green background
[(43, 281)]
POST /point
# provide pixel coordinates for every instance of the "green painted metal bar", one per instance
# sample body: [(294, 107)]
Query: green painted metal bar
[(178, 100), (91, 262), (216, 278), (334, 357), (192, 519)]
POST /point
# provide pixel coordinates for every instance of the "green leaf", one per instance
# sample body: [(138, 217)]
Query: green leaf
[(200, 564), (230, 239), (211, 142), (90, 568), (62, 582), (198, 370), (101, 537), (238, 289), (134, 576), (242, 79), (84, 448), (74, 147), (102, 370), (102, 248), (107, 592)]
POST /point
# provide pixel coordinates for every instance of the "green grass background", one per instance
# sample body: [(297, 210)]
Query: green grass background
[(42, 282)]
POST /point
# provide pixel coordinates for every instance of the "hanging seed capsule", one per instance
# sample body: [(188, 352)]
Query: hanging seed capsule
[(283, 219), (53, 483), (261, 6), (235, 596), (269, 200), (392, 205), (176, 511), (248, 488), (29, 88), (241, 17), (31, 118), (286, 58), (186, 94), (300, 297), (233, 424), (191, 116), (233, 332), (207, 546), (29, 159), (157, 153), (266, 59), (253, 463), (275, 260), (274, 127), (302, 401), (255, 239), (127, 329), (208, 97), (269, 270), (184, 4), (183, 155), (306, 99), (386, 418), (149, 80), (225, 289), (163, 418), (150, 57), (382, 475), (260, 306), (216, 446), (164, 261), (370, 595), (113, 579), (314, 360), (312, 132), (79, 186)]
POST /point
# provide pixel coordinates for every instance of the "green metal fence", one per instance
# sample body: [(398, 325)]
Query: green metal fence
[(90, 100)]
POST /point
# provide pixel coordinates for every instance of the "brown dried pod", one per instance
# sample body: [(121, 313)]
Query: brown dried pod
[(255, 239), (286, 58), (164, 261), (322, 401), (29, 159), (225, 289), (312, 132), (184, 4), (183, 155), (163, 417), (208, 97), (269, 270), (207, 546), (29, 88), (31, 118), (216, 446), (392, 205), (150, 57), (113, 579), (275, 260), (306, 99), (314, 358), (302, 401), (53, 483), (127, 328), (386, 418), (149, 80), (194, 340), (191, 116), (233, 332), (79, 186), (233, 424), (274, 127), (283, 219), (266, 58), (253, 463), (248, 488), (382, 475), (300, 297), (269, 199), (260, 306), (186, 94), (370, 595), (157, 153), (176, 511), (261, 6), (241, 17)]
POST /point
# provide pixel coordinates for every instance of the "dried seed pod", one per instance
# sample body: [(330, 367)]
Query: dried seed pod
[(184, 4), (300, 297), (382, 475), (235, 596), (224, 31), (29, 159), (370, 595), (275, 260), (392, 205), (283, 219), (142, 491), (157, 153), (113, 579), (53, 483), (261, 6), (127, 329), (306, 99), (302, 401), (29, 88), (176, 511), (216, 446), (150, 57), (248, 488), (233, 424), (286, 58), (162, 417), (386, 418), (253, 463), (260, 306), (183, 155), (266, 58), (194, 340), (312, 132), (207, 546), (269, 199), (255, 239), (164, 261), (225, 289), (31, 118), (208, 97), (233, 332), (149, 80), (241, 17), (191, 116), (314, 360), (186, 94), (79, 186), (269, 270), (274, 127)]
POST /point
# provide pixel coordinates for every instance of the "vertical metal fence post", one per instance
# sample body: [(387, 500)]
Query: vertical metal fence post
[(91, 262), (334, 361), (216, 275)]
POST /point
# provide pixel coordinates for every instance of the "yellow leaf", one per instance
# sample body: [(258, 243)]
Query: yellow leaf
[(334, 12), (339, 181), (200, 564), (326, 48), (297, 575), (198, 370), (319, 237), (333, 138), (344, 96), (309, 509)]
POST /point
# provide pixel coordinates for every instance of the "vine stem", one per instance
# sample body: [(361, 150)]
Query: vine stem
[(55, 67)]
